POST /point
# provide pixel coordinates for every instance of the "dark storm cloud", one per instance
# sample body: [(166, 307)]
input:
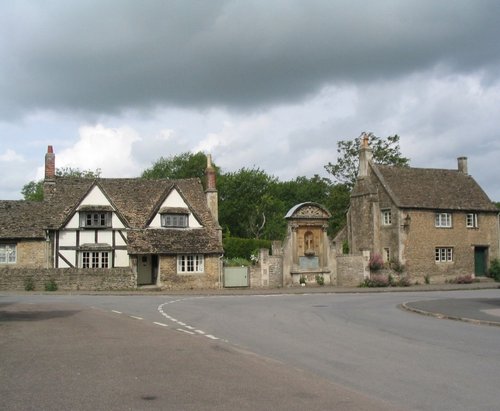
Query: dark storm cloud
[(106, 56)]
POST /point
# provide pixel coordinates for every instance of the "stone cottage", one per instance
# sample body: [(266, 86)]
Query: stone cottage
[(434, 222), (153, 232)]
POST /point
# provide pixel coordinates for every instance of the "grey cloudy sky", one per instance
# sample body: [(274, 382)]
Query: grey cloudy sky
[(270, 84)]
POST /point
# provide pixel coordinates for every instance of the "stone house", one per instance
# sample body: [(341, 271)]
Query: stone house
[(160, 232), (435, 222)]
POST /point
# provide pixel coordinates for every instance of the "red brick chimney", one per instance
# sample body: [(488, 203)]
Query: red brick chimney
[(50, 164)]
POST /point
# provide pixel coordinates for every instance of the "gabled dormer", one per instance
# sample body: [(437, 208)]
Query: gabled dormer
[(175, 212)]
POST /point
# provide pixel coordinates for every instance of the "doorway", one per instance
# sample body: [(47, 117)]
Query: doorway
[(480, 264), (147, 269)]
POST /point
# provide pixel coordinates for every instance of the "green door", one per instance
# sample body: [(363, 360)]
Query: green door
[(480, 261)]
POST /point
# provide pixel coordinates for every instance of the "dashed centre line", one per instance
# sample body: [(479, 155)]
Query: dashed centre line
[(187, 328)]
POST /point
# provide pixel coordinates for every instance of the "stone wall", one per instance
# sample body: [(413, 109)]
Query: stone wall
[(32, 254), (351, 270), (68, 279), (170, 280), (268, 272)]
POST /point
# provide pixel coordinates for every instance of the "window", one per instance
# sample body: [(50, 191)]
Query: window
[(444, 254), (95, 259), (191, 263), (8, 253), (443, 220), (386, 217), (98, 219), (471, 220), (174, 220), (387, 255)]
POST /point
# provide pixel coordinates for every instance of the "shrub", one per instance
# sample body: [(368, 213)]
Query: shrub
[(494, 271), (397, 266), (345, 247), (403, 282), (235, 247), (302, 279), (375, 281), (29, 284), (51, 285), (376, 262), (320, 279), (236, 262), (465, 279), (427, 279)]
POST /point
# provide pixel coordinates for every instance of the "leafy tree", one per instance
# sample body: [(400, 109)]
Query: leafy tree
[(185, 165), (33, 191), (247, 207), (385, 151)]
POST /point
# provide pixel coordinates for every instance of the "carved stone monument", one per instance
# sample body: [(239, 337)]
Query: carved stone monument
[(307, 253)]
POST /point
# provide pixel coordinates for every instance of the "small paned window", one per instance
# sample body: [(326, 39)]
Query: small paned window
[(95, 259), (443, 220), (386, 217), (101, 219), (190, 263), (471, 220), (387, 255), (444, 254), (8, 253), (174, 220)]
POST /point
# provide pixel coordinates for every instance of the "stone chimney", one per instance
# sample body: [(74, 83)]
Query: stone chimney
[(211, 190), (365, 155), (462, 165)]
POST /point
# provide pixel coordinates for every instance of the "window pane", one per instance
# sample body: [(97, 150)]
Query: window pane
[(104, 260)]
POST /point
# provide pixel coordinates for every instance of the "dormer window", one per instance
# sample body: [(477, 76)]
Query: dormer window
[(174, 217), (95, 217)]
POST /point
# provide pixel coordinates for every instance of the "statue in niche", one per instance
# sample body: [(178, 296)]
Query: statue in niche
[(309, 243)]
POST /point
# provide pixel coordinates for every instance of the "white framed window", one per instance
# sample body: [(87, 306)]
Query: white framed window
[(386, 217), (174, 220), (471, 220), (95, 259), (8, 253), (190, 263), (444, 254), (97, 219), (443, 220), (387, 255)]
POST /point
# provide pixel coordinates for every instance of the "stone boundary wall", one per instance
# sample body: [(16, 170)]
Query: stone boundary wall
[(69, 279), (268, 272), (351, 270)]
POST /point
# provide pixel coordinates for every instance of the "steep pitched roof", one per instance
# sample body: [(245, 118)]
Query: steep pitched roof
[(23, 219), (172, 241), (136, 200), (432, 188)]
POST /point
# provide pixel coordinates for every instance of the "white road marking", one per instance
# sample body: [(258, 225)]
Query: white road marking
[(163, 325), (211, 337), (137, 318), (116, 312), (186, 326)]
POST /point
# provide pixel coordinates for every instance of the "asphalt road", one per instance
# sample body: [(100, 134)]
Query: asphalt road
[(63, 356), (362, 342)]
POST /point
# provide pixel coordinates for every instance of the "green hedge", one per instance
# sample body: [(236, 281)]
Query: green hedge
[(235, 247)]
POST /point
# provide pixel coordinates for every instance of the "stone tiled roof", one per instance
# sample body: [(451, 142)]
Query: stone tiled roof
[(173, 241), (433, 189), (23, 219), (135, 200)]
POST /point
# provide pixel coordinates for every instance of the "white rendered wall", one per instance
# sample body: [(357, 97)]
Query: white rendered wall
[(68, 255), (121, 258), (174, 199)]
